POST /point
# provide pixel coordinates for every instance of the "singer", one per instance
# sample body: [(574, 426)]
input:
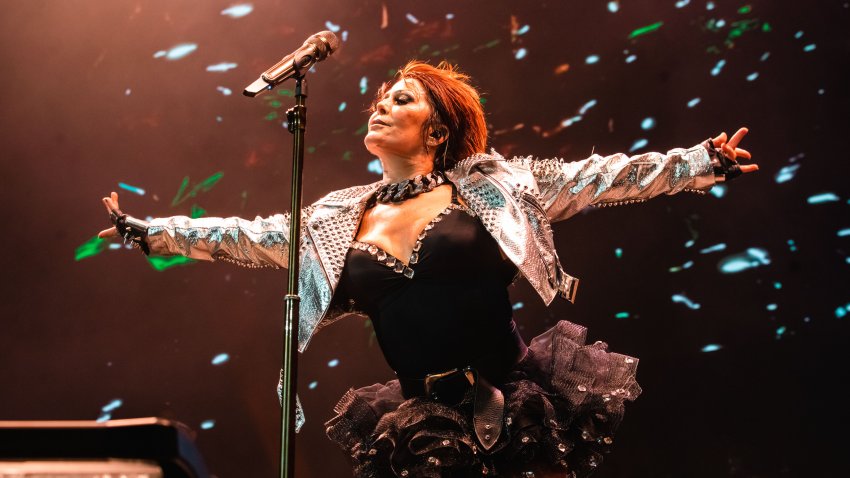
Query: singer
[(427, 253)]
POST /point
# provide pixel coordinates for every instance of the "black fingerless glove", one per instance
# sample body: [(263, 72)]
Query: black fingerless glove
[(133, 230), (724, 167)]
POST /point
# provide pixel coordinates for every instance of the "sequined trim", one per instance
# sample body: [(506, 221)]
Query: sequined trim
[(391, 261)]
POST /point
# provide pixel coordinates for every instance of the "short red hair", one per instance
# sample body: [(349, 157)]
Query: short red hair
[(455, 105)]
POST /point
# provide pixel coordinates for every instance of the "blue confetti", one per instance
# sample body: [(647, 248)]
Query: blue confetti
[(238, 11), (224, 90), (682, 3), (221, 67), (374, 166), (345, 35), (112, 405), (822, 198), (840, 312), (618, 252), (809, 47), (342, 106), (786, 173), (718, 191), (177, 52), (450, 16), (780, 331), (844, 232), (517, 306), (714, 248), (523, 30), (752, 76), (791, 246), (586, 106), (712, 348), (333, 363), (709, 6), (799, 34), (638, 144), (686, 265), (718, 67), (570, 121), (693, 102), (765, 56), (520, 54), (364, 85), (720, 23), (114, 245), (681, 298), (771, 307), (753, 257), (332, 26), (104, 417), (412, 19), (220, 359), (591, 59), (689, 243), (132, 189), (621, 315), (777, 285), (313, 385), (207, 424), (647, 123), (613, 7), (631, 58)]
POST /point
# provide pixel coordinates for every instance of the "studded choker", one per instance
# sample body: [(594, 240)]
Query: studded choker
[(404, 190)]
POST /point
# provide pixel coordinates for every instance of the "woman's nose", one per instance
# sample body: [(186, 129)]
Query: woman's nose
[(382, 107)]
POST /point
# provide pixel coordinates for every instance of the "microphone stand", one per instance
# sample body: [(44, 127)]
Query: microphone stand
[(297, 123)]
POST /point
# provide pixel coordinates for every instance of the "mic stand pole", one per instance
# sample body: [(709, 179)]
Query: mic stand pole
[(297, 123)]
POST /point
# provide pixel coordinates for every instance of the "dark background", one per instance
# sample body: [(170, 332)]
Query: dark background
[(87, 104)]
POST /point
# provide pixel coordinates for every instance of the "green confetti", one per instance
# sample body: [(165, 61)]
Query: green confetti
[(275, 104), (311, 149), (92, 247), (285, 92), (489, 44), (271, 116), (745, 9), (622, 315), (482, 100), (201, 187), (346, 156), (765, 27), (423, 48), (162, 263), (197, 211), (362, 129), (645, 30)]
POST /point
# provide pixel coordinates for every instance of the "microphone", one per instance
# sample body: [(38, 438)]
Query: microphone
[(315, 49)]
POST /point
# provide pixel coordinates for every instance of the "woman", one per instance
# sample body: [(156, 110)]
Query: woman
[(427, 253)]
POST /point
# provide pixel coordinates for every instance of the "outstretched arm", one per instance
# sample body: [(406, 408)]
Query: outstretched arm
[(568, 187), (263, 242)]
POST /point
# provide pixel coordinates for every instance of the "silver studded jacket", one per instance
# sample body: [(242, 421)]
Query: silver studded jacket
[(516, 200)]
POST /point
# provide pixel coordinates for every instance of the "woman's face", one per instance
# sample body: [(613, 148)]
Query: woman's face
[(395, 126)]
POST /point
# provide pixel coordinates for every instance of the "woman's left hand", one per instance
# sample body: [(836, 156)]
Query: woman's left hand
[(731, 150)]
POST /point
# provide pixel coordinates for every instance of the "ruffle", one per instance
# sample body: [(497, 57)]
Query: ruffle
[(563, 403)]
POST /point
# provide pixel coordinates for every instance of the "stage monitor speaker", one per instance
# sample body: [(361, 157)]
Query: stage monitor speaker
[(134, 448)]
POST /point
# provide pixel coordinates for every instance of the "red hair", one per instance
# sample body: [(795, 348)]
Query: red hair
[(455, 109)]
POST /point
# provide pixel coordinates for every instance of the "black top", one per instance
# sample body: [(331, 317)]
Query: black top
[(448, 308)]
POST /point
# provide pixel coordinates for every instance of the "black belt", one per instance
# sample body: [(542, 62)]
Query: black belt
[(453, 386)]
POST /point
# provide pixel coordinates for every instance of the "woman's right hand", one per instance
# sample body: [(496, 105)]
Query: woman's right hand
[(111, 204)]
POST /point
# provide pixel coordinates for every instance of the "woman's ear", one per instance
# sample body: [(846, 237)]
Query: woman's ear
[(438, 135)]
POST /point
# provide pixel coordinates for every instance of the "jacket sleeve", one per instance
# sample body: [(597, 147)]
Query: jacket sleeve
[(263, 242), (566, 188)]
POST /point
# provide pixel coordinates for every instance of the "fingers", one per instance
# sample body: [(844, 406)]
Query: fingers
[(728, 151), (719, 140), (748, 168), (743, 153), (114, 196), (111, 232), (737, 137)]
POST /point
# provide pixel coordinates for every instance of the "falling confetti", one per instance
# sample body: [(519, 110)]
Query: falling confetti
[(312, 385), (719, 190), (753, 257), (645, 30), (621, 315), (647, 123), (220, 359), (92, 247), (332, 26), (221, 67), (364, 85), (333, 363), (224, 90), (714, 248), (374, 166), (613, 7), (822, 198), (638, 144), (693, 102), (711, 348), (682, 299), (718, 67), (238, 11), (113, 405), (592, 59), (207, 424), (132, 189), (786, 173), (176, 52), (517, 306)]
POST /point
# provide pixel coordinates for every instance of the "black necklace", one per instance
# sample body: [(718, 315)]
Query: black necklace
[(404, 190)]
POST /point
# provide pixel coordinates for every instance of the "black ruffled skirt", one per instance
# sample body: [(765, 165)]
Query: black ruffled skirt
[(563, 403)]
